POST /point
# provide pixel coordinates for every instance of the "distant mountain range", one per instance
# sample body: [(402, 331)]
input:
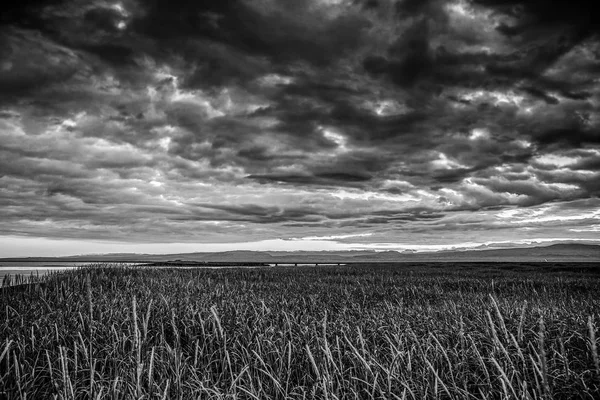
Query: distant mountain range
[(553, 253)]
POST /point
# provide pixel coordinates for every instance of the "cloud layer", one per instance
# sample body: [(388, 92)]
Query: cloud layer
[(361, 122)]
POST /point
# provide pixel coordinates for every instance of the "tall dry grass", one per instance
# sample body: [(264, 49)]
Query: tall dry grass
[(385, 332)]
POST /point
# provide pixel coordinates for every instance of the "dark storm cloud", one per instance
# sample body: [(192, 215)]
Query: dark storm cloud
[(285, 31), (332, 179), (265, 215), (30, 62), (268, 115)]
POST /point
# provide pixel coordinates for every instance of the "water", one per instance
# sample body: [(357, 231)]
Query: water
[(308, 264), (40, 268)]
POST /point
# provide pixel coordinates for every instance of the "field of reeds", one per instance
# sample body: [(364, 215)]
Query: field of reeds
[(443, 331)]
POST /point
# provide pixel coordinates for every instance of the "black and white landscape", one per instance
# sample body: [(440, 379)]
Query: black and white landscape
[(273, 199)]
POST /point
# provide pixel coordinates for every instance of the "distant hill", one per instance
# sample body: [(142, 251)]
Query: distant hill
[(574, 252), (555, 252)]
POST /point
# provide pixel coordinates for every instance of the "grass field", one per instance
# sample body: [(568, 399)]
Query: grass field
[(437, 331)]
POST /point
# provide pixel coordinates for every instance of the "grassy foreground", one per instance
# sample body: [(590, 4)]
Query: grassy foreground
[(351, 332)]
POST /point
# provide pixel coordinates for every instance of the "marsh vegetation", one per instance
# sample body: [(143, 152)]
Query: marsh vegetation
[(439, 331)]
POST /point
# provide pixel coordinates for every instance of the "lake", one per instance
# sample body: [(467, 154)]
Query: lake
[(26, 268), (40, 267)]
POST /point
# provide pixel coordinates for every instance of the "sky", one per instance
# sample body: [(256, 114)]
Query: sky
[(178, 125)]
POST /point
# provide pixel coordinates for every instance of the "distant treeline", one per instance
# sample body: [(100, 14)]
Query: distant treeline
[(181, 263)]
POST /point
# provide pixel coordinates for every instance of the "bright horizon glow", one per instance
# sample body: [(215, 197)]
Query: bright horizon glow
[(23, 247)]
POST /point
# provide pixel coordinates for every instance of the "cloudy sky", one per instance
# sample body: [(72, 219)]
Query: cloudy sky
[(181, 125)]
